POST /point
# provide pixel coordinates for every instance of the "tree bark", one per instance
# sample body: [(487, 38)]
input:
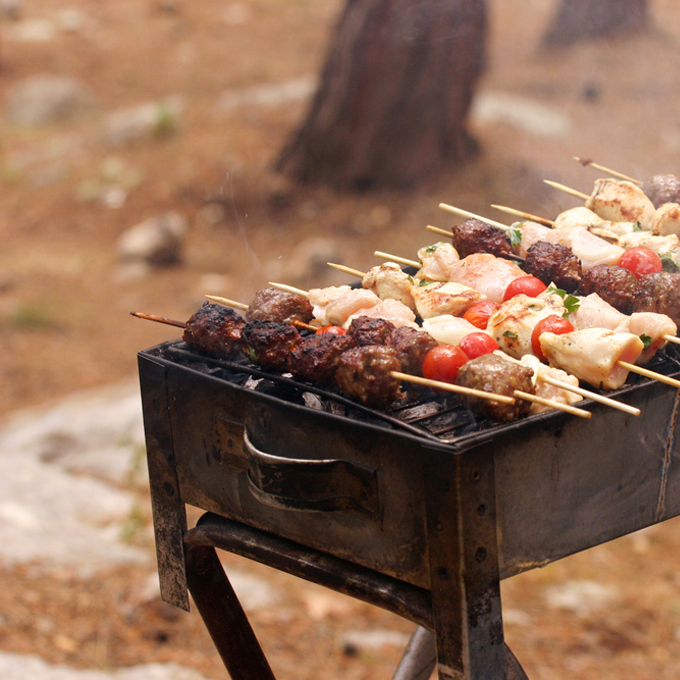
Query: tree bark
[(578, 20), (394, 94)]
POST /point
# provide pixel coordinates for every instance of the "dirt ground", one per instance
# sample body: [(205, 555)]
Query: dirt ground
[(64, 300)]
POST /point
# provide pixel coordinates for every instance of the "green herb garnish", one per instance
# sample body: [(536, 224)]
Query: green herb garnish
[(515, 236), (647, 340), (669, 264), (510, 334), (637, 226), (433, 247), (411, 281), (425, 282), (571, 302)]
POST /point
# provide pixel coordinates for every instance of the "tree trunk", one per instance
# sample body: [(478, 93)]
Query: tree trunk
[(578, 20), (394, 94)]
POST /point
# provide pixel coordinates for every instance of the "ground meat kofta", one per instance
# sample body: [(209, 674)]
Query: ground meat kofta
[(491, 373), (315, 358), (272, 304), (661, 189), (659, 293), (367, 330), (269, 344), (475, 236), (554, 263), (214, 329), (411, 345), (364, 374), (615, 285)]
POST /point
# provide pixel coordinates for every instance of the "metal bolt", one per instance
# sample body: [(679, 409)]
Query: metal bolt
[(480, 555)]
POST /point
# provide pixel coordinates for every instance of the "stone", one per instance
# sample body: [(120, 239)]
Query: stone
[(153, 119), (44, 99), (157, 240)]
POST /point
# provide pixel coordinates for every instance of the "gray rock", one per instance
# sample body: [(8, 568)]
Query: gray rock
[(10, 9), (309, 260), (157, 240), (154, 119), (44, 99)]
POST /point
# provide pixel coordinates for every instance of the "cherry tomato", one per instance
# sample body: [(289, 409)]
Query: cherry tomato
[(330, 328), (550, 324), (528, 285), (442, 363), (478, 315), (476, 344), (641, 260)]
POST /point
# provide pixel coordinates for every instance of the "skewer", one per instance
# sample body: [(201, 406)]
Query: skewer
[(437, 230), (289, 289), (566, 189), (671, 338), (521, 213), (159, 319), (450, 387), (347, 270), (587, 162), (398, 260), (594, 396), (649, 374), (553, 404), (465, 213)]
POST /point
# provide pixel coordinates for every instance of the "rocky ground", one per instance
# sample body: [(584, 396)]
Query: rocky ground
[(168, 114)]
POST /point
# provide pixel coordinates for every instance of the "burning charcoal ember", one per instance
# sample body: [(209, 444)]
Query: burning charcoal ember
[(367, 330), (662, 189), (659, 293), (364, 374), (411, 346), (475, 236), (271, 304), (269, 344), (615, 285), (215, 329), (315, 358), (490, 373), (554, 263)]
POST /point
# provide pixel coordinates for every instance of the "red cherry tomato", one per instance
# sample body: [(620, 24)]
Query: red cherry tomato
[(478, 315), (476, 344), (528, 285), (551, 324), (442, 363), (640, 261), (330, 328)]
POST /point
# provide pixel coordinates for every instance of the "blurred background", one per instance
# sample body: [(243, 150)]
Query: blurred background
[(138, 143)]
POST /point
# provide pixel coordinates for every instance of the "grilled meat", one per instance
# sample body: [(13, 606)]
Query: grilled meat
[(411, 346), (315, 358), (364, 374), (366, 330), (214, 329), (491, 373), (554, 263), (269, 344), (475, 236), (659, 293), (436, 261), (621, 201), (390, 281), (272, 304), (662, 189), (615, 285)]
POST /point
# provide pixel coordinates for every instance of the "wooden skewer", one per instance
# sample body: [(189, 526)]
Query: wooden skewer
[(566, 189), (437, 230), (586, 161), (649, 374), (159, 319), (671, 338), (465, 213), (450, 387), (289, 289), (398, 260), (521, 213), (553, 404), (594, 396), (347, 270), (226, 302)]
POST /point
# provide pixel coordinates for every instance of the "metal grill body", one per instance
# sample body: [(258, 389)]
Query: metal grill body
[(424, 528)]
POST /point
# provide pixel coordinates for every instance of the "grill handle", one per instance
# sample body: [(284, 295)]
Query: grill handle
[(301, 484)]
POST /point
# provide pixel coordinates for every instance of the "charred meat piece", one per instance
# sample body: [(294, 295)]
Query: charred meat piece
[(615, 285), (215, 330), (553, 263), (475, 236), (411, 345), (368, 330), (364, 374), (659, 293), (268, 343), (315, 358), (662, 189), (271, 304), (491, 373)]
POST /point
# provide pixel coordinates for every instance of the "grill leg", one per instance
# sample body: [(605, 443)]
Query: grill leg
[(224, 617), (420, 657)]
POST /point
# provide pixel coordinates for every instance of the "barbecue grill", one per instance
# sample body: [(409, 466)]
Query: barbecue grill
[(420, 510)]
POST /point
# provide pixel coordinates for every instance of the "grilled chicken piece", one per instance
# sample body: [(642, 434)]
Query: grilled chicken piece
[(322, 297), (352, 302), (532, 232), (389, 282), (578, 217), (485, 273), (595, 312), (666, 220), (621, 201), (651, 328), (513, 323), (391, 310), (435, 299), (448, 329), (592, 354), (436, 261)]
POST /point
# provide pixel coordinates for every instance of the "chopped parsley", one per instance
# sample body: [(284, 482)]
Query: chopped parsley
[(571, 302), (515, 236), (637, 226), (647, 340), (669, 264), (424, 282), (411, 281), (510, 334), (430, 249)]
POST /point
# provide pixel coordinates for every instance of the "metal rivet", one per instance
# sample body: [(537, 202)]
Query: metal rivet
[(439, 526), (442, 572), (480, 555), (481, 510), (476, 475), (169, 489)]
